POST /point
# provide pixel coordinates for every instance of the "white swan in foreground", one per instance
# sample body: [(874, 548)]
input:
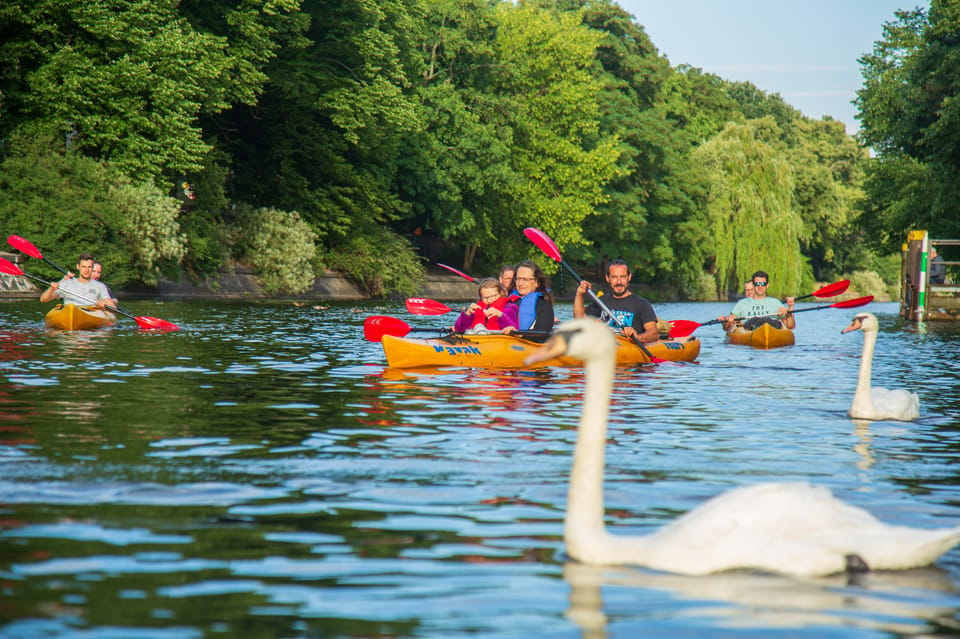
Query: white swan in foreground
[(788, 528), (877, 403)]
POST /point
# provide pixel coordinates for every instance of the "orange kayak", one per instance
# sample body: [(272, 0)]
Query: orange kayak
[(764, 336), (496, 350), (71, 318)]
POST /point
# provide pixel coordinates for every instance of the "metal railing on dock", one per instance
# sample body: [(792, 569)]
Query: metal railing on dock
[(921, 299)]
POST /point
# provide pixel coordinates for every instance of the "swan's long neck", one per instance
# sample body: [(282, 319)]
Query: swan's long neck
[(862, 405), (584, 522), (866, 364)]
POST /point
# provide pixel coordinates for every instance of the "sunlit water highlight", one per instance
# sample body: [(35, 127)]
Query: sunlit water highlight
[(260, 473)]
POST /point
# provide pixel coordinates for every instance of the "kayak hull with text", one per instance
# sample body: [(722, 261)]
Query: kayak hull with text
[(496, 350)]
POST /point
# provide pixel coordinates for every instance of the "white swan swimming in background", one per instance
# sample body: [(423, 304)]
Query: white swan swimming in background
[(877, 403), (789, 528)]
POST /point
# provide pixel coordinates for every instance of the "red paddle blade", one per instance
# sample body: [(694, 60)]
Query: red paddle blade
[(24, 246), (832, 290), (683, 328), (543, 242), (423, 306), (855, 302), (453, 270), (155, 324), (8, 267), (376, 326)]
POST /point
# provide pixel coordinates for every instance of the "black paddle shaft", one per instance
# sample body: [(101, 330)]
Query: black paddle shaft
[(616, 320)]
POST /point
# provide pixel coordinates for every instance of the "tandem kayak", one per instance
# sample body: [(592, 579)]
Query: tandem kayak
[(496, 350), (70, 317), (764, 336)]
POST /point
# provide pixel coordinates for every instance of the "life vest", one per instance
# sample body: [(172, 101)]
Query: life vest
[(527, 314), (479, 317)]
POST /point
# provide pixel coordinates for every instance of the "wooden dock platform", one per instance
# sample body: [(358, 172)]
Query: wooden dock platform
[(920, 299)]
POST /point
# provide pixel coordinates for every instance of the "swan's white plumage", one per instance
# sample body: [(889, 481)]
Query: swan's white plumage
[(877, 403), (789, 528)]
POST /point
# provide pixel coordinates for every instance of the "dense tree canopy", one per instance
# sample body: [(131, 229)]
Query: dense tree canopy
[(911, 118), (751, 207), (310, 133)]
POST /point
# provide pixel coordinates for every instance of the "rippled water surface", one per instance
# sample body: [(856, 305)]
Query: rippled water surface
[(260, 473)]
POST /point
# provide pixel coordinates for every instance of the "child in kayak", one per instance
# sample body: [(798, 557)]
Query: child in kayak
[(492, 312)]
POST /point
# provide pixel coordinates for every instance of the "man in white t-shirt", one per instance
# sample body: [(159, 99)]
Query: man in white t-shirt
[(760, 306), (80, 290)]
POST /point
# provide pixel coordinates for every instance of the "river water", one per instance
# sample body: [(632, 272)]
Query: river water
[(260, 473)]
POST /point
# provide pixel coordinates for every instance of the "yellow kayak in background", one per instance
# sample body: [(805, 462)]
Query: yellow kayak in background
[(764, 336)]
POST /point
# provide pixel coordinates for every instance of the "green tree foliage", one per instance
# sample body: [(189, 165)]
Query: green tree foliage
[(754, 104), (910, 116), (890, 89), (379, 261), (126, 80), (125, 83), (512, 138), (829, 171), (467, 119), (752, 220), (324, 137), (204, 218), (456, 172), (563, 158), (280, 246), (699, 103), (651, 215), (130, 226)]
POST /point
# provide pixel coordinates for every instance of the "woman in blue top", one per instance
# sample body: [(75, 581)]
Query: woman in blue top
[(535, 301)]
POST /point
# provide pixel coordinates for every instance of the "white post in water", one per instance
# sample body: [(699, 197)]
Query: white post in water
[(922, 284)]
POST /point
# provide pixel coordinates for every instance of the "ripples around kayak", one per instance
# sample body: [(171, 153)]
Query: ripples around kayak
[(261, 473)]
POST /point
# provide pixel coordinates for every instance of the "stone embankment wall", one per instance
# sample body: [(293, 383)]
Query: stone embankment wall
[(16, 286), (242, 284)]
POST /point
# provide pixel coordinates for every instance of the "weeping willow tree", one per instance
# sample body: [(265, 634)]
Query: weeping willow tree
[(753, 223)]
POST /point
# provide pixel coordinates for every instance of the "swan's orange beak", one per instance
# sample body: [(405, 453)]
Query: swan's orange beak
[(553, 347), (854, 325)]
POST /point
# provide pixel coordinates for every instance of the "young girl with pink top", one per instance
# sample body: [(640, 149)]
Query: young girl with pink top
[(493, 311)]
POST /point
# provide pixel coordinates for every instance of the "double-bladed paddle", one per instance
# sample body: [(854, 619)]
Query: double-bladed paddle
[(26, 246), (543, 242), (29, 248), (376, 326), (423, 306), (151, 323), (460, 273), (682, 328), (830, 290)]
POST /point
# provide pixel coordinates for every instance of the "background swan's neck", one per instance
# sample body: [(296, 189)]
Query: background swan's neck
[(585, 509), (866, 362), (862, 405)]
